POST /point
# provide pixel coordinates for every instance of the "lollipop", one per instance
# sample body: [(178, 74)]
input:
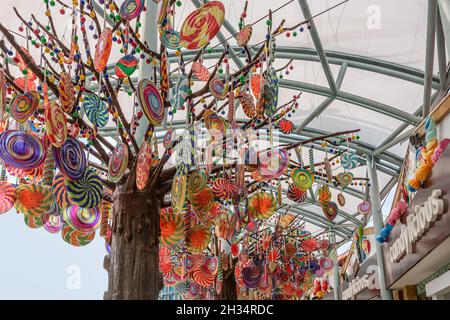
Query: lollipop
[(66, 92), (126, 66), (96, 110), (251, 276), (33, 199), (247, 104), (33, 222), (327, 167), (286, 126), (326, 263), (7, 196), (103, 50), (168, 138), (341, 199), (243, 37), (256, 83), (296, 194), (82, 219), (55, 124), (344, 178), (151, 101), (364, 207), (215, 124), (171, 39), (118, 163), (21, 150), (197, 181), (172, 228), (261, 205), (22, 106), (200, 71), (20, 82), (53, 223), (303, 178), (70, 159), (324, 194), (86, 192), (76, 238), (273, 163), (179, 93), (218, 89), (131, 9), (330, 210), (349, 161), (223, 188), (197, 238), (270, 94), (59, 190), (202, 25), (178, 192), (143, 165), (203, 200)]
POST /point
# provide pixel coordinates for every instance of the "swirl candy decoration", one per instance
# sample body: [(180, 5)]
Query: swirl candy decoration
[(172, 228), (364, 207), (215, 124), (273, 163), (251, 276), (286, 126), (202, 25), (66, 92), (7, 196), (168, 138), (76, 238), (218, 89), (33, 222), (326, 263), (327, 167), (261, 205), (21, 150), (151, 101), (296, 194), (82, 219), (270, 94), (203, 200), (52, 223), (171, 39), (197, 238), (33, 199), (96, 110), (143, 165), (197, 181), (126, 66), (243, 37), (86, 192), (256, 83), (248, 105), (324, 194), (224, 189), (55, 124), (103, 50), (59, 190), (70, 159), (303, 178), (179, 93), (118, 163), (349, 161), (344, 178), (200, 71), (178, 192), (341, 199), (22, 106), (330, 210), (131, 9)]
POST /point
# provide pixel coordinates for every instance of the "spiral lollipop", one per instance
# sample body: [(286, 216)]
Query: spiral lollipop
[(55, 124), (223, 188), (126, 66), (103, 50), (171, 39), (251, 276), (273, 163), (118, 163), (364, 207), (256, 83), (33, 199), (131, 9), (33, 222), (296, 194), (349, 161), (248, 105), (286, 126), (143, 165), (196, 182), (96, 110), (86, 192), (172, 229), (151, 101), (178, 192), (76, 238), (303, 178), (22, 106), (326, 263), (70, 159), (200, 71), (243, 37), (261, 205), (218, 89), (66, 92), (330, 210), (324, 194), (202, 25), (197, 238), (82, 219), (53, 223), (7, 196), (21, 150), (59, 190)]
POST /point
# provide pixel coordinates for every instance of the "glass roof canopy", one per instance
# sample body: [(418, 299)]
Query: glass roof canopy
[(371, 77)]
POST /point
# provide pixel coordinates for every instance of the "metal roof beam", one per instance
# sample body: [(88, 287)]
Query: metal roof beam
[(429, 56)]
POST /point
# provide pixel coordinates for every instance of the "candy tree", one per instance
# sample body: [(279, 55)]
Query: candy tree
[(180, 170)]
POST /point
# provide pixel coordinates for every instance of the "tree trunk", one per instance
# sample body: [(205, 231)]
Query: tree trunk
[(229, 287), (133, 265)]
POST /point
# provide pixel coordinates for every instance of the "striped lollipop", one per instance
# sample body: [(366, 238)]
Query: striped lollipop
[(86, 192), (248, 105), (96, 110), (76, 238), (151, 101), (303, 178), (256, 83), (82, 219), (143, 165), (171, 39), (218, 89), (196, 181), (273, 163), (179, 93), (33, 199), (22, 106), (296, 194), (349, 161), (131, 9), (126, 66), (224, 189), (55, 124), (178, 192), (103, 50), (7, 196), (200, 71), (243, 37), (118, 163), (70, 159), (286, 126), (172, 228), (197, 238), (261, 205), (59, 190), (33, 222), (52, 223), (21, 150), (66, 92), (330, 210)]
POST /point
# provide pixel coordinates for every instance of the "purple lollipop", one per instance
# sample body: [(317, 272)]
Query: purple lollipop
[(53, 223), (82, 219), (21, 150), (70, 159)]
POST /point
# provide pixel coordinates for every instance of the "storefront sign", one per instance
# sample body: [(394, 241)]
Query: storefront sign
[(417, 224)]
